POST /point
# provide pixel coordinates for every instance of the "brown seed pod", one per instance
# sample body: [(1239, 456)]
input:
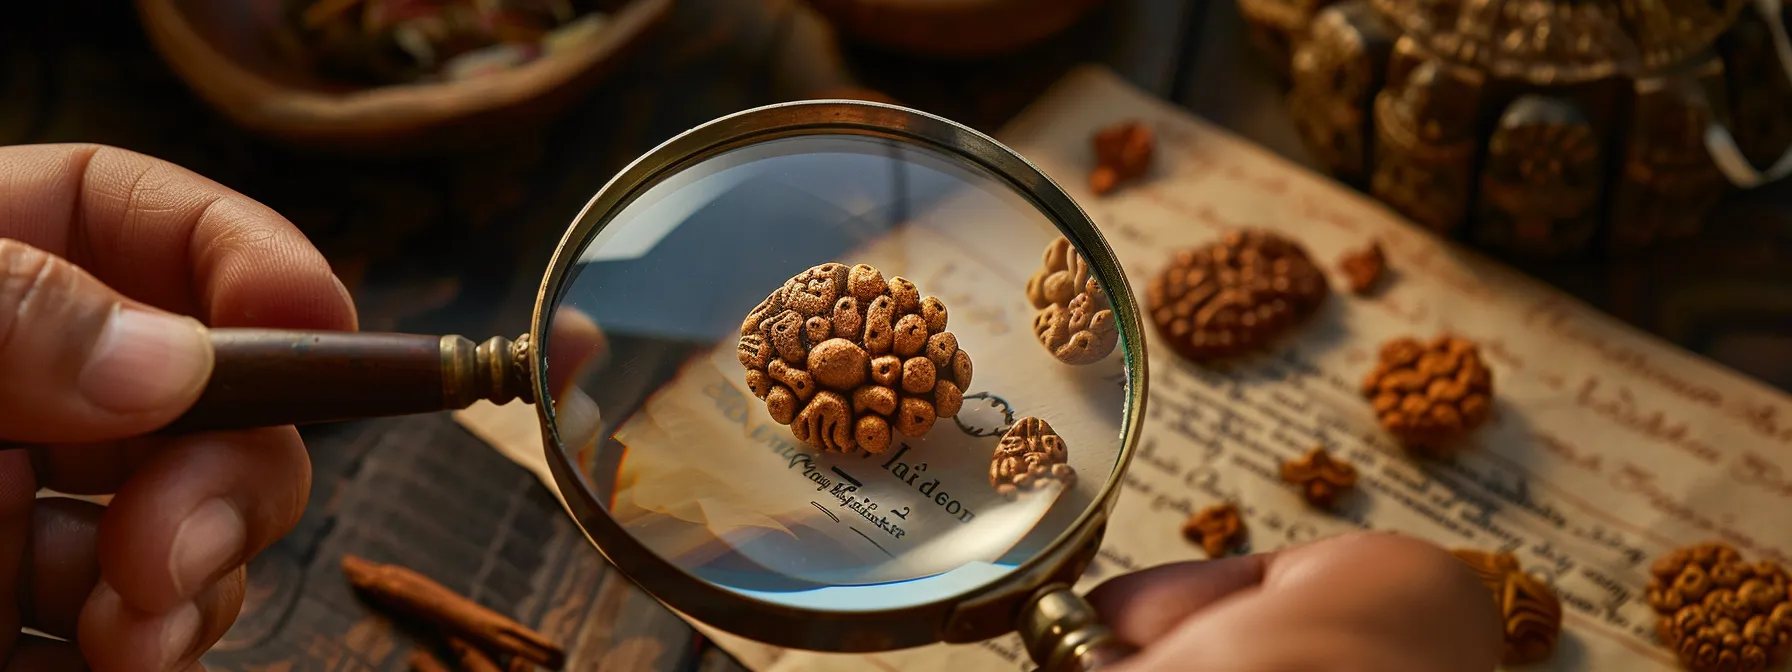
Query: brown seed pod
[(848, 359), (838, 364), (1122, 154), (1028, 455), (934, 311), (886, 370), (826, 423), (1320, 477), (1530, 610), (1217, 528), (911, 335), (872, 430), (878, 399), (914, 416), (1233, 295), (759, 382), (940, 348), (782, 404), (1427, 394), (1718, 612), (917, 375), (1075, 321), (961, 369), (1363, 267), (947, 398), (849, 318)]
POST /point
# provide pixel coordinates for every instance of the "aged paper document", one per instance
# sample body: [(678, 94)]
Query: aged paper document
[(1608, 447)]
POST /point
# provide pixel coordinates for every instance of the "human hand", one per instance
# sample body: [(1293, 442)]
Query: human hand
[(100, 251), (1369, 602)]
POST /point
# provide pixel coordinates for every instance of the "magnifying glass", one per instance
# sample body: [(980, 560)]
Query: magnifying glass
[(868, 381)]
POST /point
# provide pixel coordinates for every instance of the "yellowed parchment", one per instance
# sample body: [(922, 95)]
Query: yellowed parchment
[(1608, 447)]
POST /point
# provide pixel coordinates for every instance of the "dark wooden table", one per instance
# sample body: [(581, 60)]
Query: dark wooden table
[(457, 246)]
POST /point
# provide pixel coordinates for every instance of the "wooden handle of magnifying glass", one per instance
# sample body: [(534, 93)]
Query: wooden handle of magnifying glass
[(266, 378)]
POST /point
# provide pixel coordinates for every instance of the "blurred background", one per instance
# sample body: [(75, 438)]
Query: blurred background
[(437, 165)]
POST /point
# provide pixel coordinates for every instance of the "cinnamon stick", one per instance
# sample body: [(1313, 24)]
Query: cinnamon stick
[(414, 594), (424, 661), (471, 658)]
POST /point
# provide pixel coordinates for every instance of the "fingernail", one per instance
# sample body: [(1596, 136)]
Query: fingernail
[(179, 629), (211, 537), (145, 360)]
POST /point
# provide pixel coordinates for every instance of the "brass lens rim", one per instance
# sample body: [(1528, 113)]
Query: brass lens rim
[(780, 624)]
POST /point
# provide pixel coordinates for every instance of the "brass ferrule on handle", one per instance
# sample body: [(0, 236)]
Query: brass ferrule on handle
[(497, 371), (1063, 633)]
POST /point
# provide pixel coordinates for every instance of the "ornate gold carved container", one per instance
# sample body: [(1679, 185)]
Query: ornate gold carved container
[(1541, 128)]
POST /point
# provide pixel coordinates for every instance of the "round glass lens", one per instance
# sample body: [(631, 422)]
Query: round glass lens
[(840, 371)]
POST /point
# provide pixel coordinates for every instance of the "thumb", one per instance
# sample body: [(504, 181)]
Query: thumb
[(1145, 605), (575, 344), (80, 362)]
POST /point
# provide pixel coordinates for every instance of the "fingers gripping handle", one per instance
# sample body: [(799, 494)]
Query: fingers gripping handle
[(265, 378), (1063, 633)]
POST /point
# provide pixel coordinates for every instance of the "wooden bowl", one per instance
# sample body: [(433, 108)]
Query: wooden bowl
[(953, 28), (225, 52)]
